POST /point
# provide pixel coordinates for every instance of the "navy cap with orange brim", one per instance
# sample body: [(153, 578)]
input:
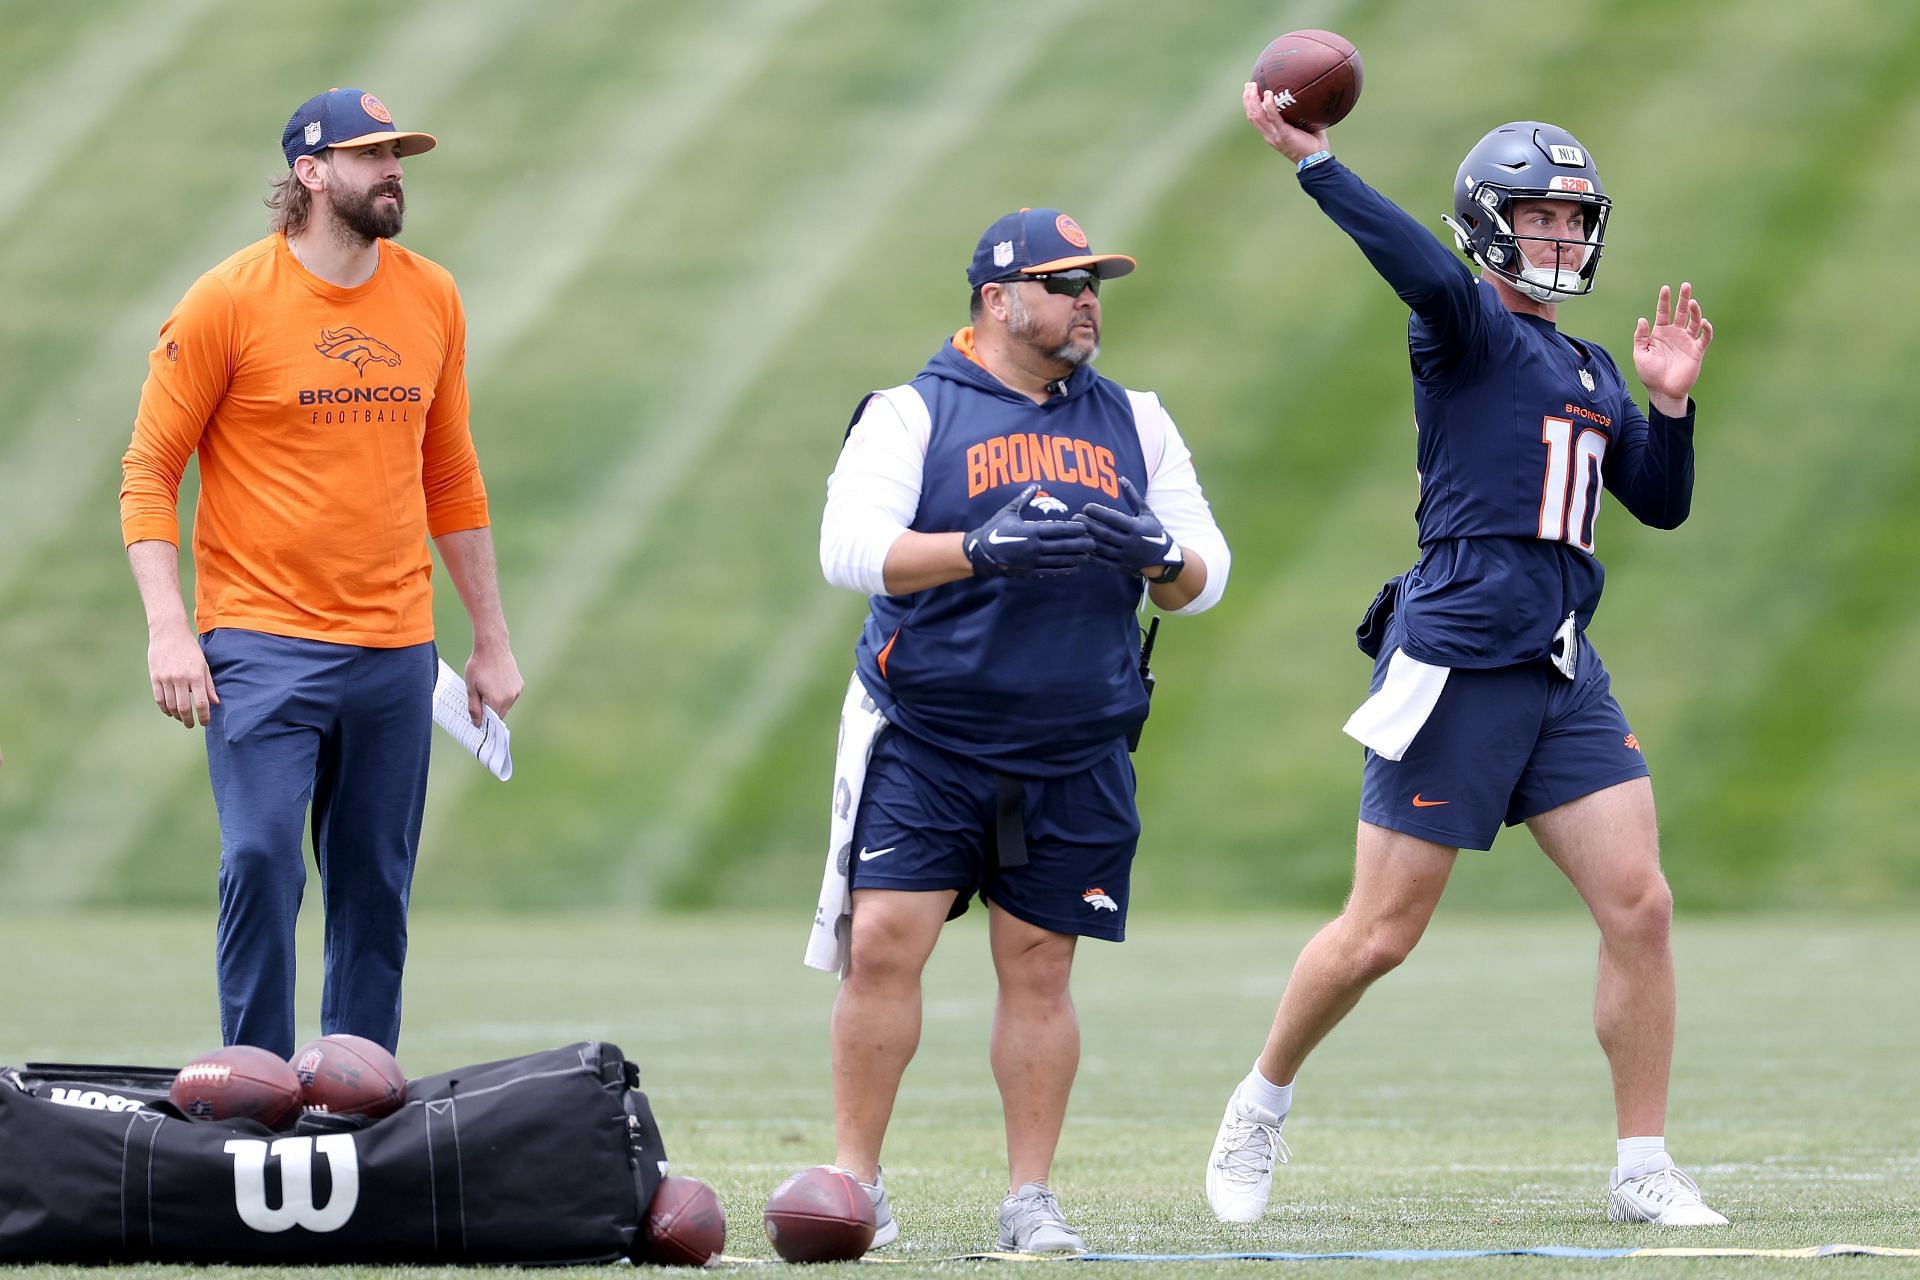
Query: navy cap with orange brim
[(346, 118), (1034, 242)]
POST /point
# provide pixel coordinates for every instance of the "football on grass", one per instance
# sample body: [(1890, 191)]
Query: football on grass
[(686, 1227), (347, 1075), (1314, 76), (820, 1215), (238, 1082)]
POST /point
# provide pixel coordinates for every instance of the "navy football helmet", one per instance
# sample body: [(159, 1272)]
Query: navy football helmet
[(1527, 160)]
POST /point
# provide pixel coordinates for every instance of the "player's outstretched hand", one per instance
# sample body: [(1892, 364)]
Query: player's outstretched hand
[(1262, 113), (1667, 353), (1131, 541), (1010, 545)]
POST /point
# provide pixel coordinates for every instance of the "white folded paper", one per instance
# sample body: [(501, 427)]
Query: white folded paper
[(487, 742)]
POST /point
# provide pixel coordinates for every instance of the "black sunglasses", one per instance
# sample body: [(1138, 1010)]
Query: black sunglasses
[(1068, 284)]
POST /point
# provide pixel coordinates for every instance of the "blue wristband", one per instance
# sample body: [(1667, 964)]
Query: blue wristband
[(1313, 160)]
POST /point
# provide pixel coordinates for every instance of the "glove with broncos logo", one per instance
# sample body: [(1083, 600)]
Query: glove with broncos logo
[(1134, 540), (1010, 545)]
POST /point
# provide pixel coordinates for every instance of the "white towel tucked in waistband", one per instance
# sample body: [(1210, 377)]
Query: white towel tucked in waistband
[(860, 723), (1388, 721)]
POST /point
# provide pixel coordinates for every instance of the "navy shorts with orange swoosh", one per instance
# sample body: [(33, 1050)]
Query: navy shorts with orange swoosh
[(927, 819), (1503, 744)]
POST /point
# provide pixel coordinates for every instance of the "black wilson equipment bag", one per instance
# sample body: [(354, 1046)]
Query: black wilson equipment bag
[(549, 1158)]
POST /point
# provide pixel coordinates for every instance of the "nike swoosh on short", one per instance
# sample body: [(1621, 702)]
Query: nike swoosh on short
[(868, 855), (994, 537), (1418, 803)]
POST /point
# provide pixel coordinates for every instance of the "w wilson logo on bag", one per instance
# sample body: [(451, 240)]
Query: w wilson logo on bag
[(296, 1208)]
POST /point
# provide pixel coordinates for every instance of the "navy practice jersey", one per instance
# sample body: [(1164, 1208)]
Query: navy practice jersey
[(1032, 676), (1519, 427)]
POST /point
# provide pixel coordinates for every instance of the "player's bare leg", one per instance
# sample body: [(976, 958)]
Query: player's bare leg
[(876, 1016), (1397, 883), (1608, 844), (1036, 1039), (1036, 1054)]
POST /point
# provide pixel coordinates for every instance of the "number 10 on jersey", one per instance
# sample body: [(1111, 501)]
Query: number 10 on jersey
[(1569, 496)]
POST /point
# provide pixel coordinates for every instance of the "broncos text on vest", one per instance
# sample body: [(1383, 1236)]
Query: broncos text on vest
[(1024, 457), (1032, 676)]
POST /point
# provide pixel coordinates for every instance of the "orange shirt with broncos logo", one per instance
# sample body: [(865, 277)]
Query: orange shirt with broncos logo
[(331, 426)]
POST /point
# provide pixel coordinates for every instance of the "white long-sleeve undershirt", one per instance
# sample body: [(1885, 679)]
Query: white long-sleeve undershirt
[(874, 492)]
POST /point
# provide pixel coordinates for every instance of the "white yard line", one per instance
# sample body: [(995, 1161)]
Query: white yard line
[(130, 766)]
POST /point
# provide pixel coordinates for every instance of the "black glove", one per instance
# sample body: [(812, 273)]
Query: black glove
[(1134, 540), (1010, 545)]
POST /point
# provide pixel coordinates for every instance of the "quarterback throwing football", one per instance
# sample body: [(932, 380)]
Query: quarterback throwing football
[(1488, 703)]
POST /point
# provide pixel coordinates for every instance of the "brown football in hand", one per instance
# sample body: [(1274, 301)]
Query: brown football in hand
[(819, 1215), (1314, 76)]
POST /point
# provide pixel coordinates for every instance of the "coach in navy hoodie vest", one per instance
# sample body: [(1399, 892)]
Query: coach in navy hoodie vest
[(1006, 511)]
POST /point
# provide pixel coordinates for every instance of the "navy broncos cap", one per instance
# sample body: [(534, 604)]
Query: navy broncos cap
[(1035, 241), (346, 118)]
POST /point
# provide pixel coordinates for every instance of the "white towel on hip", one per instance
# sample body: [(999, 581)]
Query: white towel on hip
[(1388, 721), (860, 723)]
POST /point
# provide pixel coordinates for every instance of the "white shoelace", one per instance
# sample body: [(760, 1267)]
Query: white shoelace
[(1665, 1186), (1251, 1150), (1045, 1208)]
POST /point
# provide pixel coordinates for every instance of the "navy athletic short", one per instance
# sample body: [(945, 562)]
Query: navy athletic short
[(927, 821), (1503, 744)]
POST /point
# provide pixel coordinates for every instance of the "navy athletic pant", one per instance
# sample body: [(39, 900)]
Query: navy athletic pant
[(345, 729)]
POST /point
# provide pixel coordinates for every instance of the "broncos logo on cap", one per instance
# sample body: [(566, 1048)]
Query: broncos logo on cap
[(357, 347)]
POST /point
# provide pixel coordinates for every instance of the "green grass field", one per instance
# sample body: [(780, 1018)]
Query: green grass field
[(1463, 1106), (691, 236)]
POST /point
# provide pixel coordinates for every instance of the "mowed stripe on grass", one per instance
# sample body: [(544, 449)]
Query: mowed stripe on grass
[(1267, 334), (813, 242), (1145, 173), (128, 765), (54, 112)]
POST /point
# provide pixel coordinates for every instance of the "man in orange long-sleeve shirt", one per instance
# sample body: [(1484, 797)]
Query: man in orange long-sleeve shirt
[(320, 375)]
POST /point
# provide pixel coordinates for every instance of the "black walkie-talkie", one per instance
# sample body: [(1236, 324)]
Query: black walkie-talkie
[(1146, 677)]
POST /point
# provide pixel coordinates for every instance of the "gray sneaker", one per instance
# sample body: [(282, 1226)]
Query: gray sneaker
[(885, 1229), (1031, 1222)]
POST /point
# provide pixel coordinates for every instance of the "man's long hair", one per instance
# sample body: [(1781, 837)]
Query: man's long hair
[(291, 204)]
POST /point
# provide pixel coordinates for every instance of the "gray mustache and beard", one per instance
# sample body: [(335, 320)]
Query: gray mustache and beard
[(1021, 324), (360, 215)]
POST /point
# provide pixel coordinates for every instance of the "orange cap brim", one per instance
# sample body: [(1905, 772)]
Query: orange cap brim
[(1108, 266), (411, 144)]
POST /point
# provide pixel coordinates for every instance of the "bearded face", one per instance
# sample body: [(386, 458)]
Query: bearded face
[(1068, 335), (372, 212)]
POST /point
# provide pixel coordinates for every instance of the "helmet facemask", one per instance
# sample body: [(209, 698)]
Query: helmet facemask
[(1528, 160), (1497, 247)]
